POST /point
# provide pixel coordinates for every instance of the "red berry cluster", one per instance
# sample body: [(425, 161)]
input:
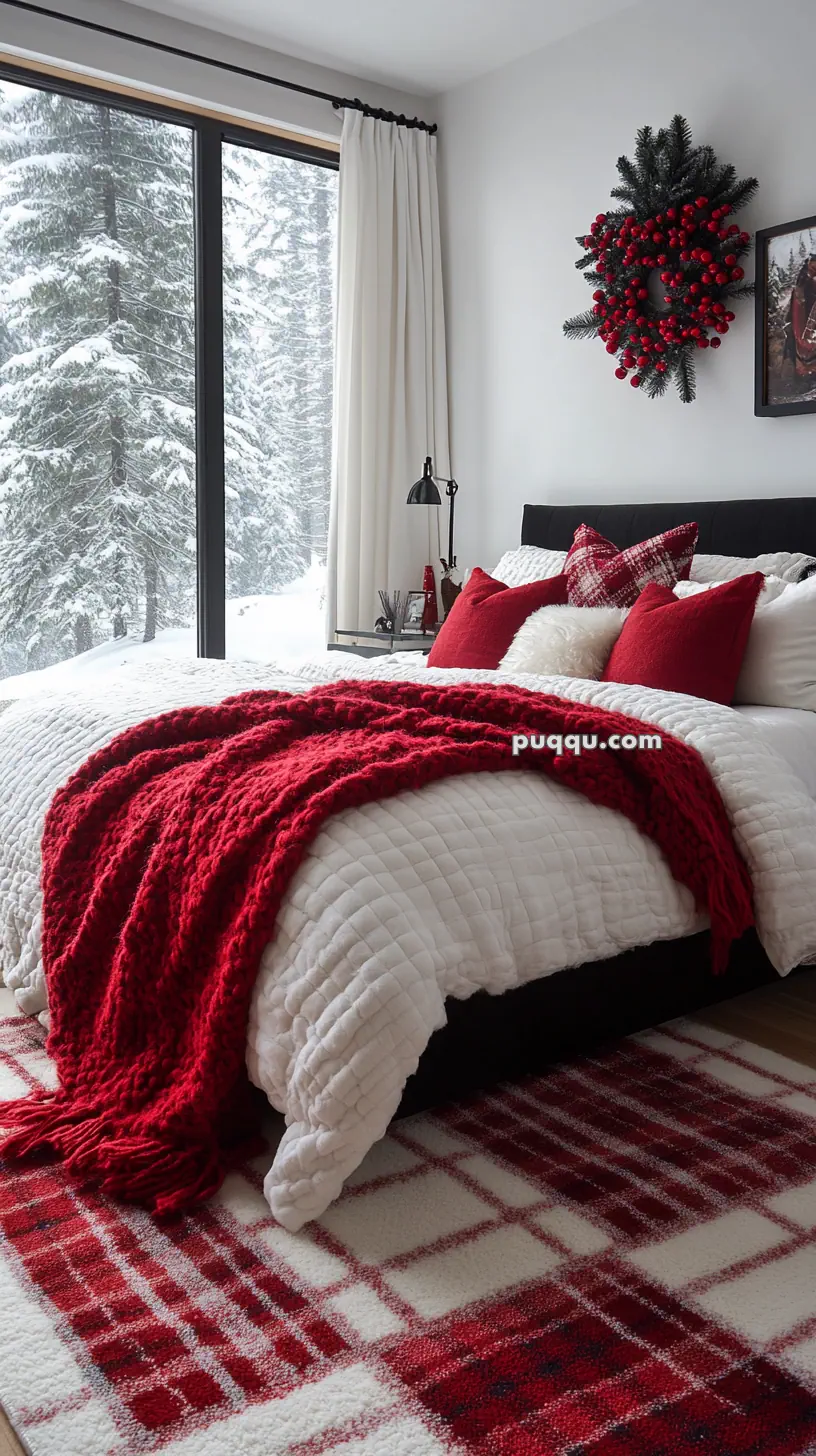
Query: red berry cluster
[(697, 253)]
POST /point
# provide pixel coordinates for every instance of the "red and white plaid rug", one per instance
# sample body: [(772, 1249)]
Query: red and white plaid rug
[(616, 1260)]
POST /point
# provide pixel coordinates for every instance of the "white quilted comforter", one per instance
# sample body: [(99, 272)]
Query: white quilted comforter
[(484, 881)]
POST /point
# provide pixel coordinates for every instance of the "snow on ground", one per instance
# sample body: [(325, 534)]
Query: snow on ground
[(289, 624)]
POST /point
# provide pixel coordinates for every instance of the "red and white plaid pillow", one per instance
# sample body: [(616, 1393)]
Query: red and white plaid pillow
[(599, 575)]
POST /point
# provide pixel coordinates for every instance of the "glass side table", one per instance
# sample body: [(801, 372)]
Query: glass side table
[(382, 644)]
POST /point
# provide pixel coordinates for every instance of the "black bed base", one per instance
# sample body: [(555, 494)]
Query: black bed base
[(491, 1039)]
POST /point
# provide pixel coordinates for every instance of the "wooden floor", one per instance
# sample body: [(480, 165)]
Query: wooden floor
[(9, 1445), (781, 1016)]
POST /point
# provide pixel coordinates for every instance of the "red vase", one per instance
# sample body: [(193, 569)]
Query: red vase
[(430, 615)]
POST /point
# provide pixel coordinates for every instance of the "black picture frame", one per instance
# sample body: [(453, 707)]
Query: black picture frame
[(415, 605), (768, 367)]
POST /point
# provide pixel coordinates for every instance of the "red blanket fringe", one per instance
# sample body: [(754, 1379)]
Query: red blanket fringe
[(165, 860)]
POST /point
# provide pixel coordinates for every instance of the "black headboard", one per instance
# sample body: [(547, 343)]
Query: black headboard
[(729, 528)]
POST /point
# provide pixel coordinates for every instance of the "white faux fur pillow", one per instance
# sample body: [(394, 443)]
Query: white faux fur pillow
[(567, 641)]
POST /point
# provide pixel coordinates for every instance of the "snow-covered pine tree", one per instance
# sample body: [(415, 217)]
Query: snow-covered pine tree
[(292, 248), (324, 231), (97, 463), (263, 551)]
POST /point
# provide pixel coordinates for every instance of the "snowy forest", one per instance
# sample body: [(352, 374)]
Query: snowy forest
[(787, 255), (97, 386)]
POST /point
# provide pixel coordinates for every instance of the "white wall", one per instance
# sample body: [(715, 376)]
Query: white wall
[(528, 158), (54, 40)]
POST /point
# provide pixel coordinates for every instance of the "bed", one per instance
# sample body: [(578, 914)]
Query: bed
[(408, 946)]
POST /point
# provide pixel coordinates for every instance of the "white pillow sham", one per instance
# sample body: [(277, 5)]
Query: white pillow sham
[(529, 563), (779, 667), (568, 641), (773, 588), (789, 566), (533, 563)]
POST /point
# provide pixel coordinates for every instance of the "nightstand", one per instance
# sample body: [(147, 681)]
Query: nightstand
[(382, 644)]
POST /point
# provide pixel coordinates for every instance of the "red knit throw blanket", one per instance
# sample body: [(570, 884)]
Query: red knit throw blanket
[(165, 860)]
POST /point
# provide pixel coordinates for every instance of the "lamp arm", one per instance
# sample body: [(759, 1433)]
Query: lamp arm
[(450, 490)]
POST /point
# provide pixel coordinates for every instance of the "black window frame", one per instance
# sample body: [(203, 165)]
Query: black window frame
[(210, 133)]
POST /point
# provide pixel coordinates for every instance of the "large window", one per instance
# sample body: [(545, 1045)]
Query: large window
[(166, 360)]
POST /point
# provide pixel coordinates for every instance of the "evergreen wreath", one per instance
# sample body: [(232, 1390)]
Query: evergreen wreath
[(676, 198)]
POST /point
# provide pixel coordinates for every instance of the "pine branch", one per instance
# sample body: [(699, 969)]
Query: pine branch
[(725, 181), (644, 149), (656, 385), (625, 194), (685, 377), (706, 160), (742, 193), (629, 175), (679, 141), (742, 290), (582, 326)]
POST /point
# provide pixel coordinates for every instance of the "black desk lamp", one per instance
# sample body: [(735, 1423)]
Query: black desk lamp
[(425, 492)]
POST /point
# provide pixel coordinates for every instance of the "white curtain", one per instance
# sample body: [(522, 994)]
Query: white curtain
[(390, 399)]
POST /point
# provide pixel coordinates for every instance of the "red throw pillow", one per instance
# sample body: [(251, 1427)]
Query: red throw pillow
[(687, 644), (599, 575), (486, 616)]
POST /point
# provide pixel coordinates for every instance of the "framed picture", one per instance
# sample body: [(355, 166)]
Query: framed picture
[(414, 611), (786, 319)]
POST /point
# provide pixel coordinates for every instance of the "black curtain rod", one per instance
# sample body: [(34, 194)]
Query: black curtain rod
[(338, 102)]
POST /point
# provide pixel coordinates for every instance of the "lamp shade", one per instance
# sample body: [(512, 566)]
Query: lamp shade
[(425, 492)]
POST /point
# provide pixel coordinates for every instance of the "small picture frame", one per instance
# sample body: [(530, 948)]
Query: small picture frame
[(414, 611), (786, 319)]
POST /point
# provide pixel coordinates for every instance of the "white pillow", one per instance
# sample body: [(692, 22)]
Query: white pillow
[(779, 667), (569, 641), (529, 563), (773, 588), (788, 565)]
